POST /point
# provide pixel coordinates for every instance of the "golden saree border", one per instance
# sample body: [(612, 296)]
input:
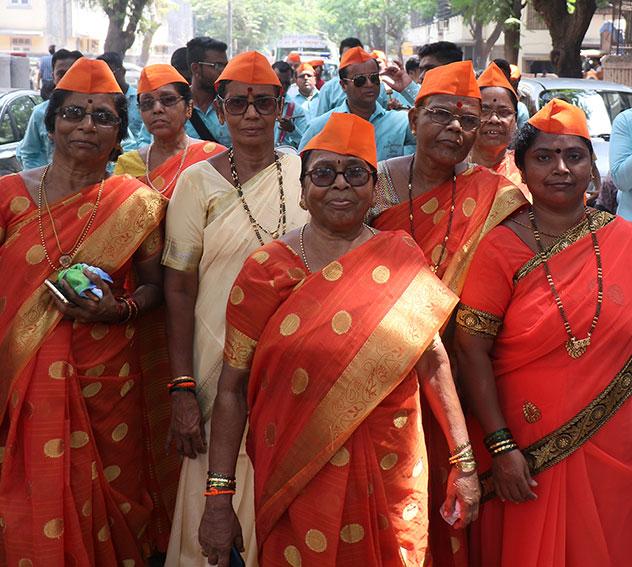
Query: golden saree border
[(110, 245), (477, 322), (571, 236), (508, 199), (239, 349), (564, 441), (385, 359)]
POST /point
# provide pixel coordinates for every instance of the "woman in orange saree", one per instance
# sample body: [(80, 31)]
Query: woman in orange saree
[(547, 369), (334, 343), (73, 489), (447, 207)]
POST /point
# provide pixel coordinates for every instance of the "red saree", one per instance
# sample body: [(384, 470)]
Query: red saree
[(483, 199), (72, 486), (335, 428), (571, 417)]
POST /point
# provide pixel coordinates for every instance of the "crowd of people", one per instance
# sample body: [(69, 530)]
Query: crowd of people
[(249, 317)]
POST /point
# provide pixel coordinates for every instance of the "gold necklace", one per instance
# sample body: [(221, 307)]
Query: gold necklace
[(575, 347), (65, 258), (177, 174)]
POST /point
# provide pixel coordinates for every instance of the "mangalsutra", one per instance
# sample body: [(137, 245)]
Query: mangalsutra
[(411, 217), (177, 174), (256, 226), (65, 258), (574, 346)]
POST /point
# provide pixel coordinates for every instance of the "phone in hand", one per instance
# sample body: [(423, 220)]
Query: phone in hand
[(236, 560), (56, 292)]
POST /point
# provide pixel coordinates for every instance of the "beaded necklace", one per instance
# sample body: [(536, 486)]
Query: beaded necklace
[(177, 174)]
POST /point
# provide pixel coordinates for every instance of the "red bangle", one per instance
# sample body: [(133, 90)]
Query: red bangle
[(215, 492)]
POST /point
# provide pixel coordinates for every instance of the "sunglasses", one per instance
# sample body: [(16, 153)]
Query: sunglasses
[(468, 122), (219, 65), (502, 113), (264, 105), (326, 176), (76, 114), (148, 102), (360, 80)]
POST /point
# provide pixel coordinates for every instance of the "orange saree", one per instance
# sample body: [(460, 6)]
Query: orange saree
[(72, 485), (572, 418), (335, 431), (507, 167), (483, 199)]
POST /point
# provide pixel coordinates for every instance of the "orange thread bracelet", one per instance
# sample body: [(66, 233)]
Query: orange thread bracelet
[(215, 492)]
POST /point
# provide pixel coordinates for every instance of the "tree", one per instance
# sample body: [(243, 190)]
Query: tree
[(511, 30), (567, 21), (153, 17), (124, 17)]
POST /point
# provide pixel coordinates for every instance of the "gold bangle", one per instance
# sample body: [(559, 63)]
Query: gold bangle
[(466, 466)]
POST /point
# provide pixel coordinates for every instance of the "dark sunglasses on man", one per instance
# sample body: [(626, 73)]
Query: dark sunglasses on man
[(218, 65), (360, 80), (236, 105), (76, 114)]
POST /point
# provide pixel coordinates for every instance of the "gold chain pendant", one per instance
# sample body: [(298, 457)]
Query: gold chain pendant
[(577, 347)]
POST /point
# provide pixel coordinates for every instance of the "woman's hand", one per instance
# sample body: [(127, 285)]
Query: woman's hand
[(512, 480), (86, 310), (464, 489), (186, 431), (219, 530)]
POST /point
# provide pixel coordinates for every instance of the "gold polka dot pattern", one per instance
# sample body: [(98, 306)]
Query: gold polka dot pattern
[(84, 210), (436, 219), (125, 388), (341, 457), (300, 380), (296, 273), (19, 204), (91, 390), (53, 529), (79, 439), (430, 206), (236, 295), (455, 544), (119, 432), (54, 448), (260, 256), (124, 371), (316, 540), (104, 534), (352, 533), (381, 275), (86, 509), (59, 370), (25, 562), (99, 331), (112, 472), (388, 461), (290, 324), (468, 207), (293, 556), (97, 370), (341, 322), (400, 419), (333, 271), (35, 254)]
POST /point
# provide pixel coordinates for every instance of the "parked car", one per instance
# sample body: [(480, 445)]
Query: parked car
[(600, 100), (132, 73), (16, 106)]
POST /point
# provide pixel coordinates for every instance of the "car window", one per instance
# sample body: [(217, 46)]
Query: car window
[(21, 110), (7, 135), (600, 107)]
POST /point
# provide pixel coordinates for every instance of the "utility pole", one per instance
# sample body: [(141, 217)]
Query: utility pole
[(229, 15)]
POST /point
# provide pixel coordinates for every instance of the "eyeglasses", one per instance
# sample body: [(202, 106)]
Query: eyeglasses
[(219, 65), (264, 105), (326, 176), (76, 114), (468, 122), (360, 80), (503, 113), (148, 102)]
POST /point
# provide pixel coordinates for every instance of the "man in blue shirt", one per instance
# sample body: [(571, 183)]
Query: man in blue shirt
[(360, 80), (115, 63), (46, 73), (36, 148), (306, 95), (621, 161), (290, 126)]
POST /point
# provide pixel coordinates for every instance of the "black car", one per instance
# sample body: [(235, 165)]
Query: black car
[(16, 106)]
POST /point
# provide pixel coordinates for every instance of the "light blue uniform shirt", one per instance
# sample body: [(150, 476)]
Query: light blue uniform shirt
[(621, 161), (36, 148), (523, 114), (392, 135), (133, 112), (332, 95), (300, 125), (309, 105)]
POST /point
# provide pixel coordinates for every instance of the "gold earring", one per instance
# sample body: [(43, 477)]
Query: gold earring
[(302, 204)]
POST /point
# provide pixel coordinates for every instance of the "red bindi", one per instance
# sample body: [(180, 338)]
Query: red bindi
[(459, 104)]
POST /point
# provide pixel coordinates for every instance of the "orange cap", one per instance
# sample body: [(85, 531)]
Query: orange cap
[(153, 77), (250, 67), (293, 57), (494, 77), (560, 117), (305, 68), (317, 63), (353, 56), (453, 79), (346, 134), (89, 76)]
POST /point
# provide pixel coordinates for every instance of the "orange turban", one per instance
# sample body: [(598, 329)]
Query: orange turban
[(293, 57), (89, 76), (250, 67), (153, 77), (560, 117), (346, 134), (305, 68), (353, 56), (456, 79), (494, 77)]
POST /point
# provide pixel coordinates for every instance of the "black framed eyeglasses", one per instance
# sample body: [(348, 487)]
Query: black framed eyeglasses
[(444, 117), (326, 176), (146, 103), (76, 114), (219, 65), (360, 80), (264, 105), (502, 113)]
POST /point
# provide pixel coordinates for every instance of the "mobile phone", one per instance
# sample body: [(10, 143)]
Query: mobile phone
[(236, 560), (56, 292)]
